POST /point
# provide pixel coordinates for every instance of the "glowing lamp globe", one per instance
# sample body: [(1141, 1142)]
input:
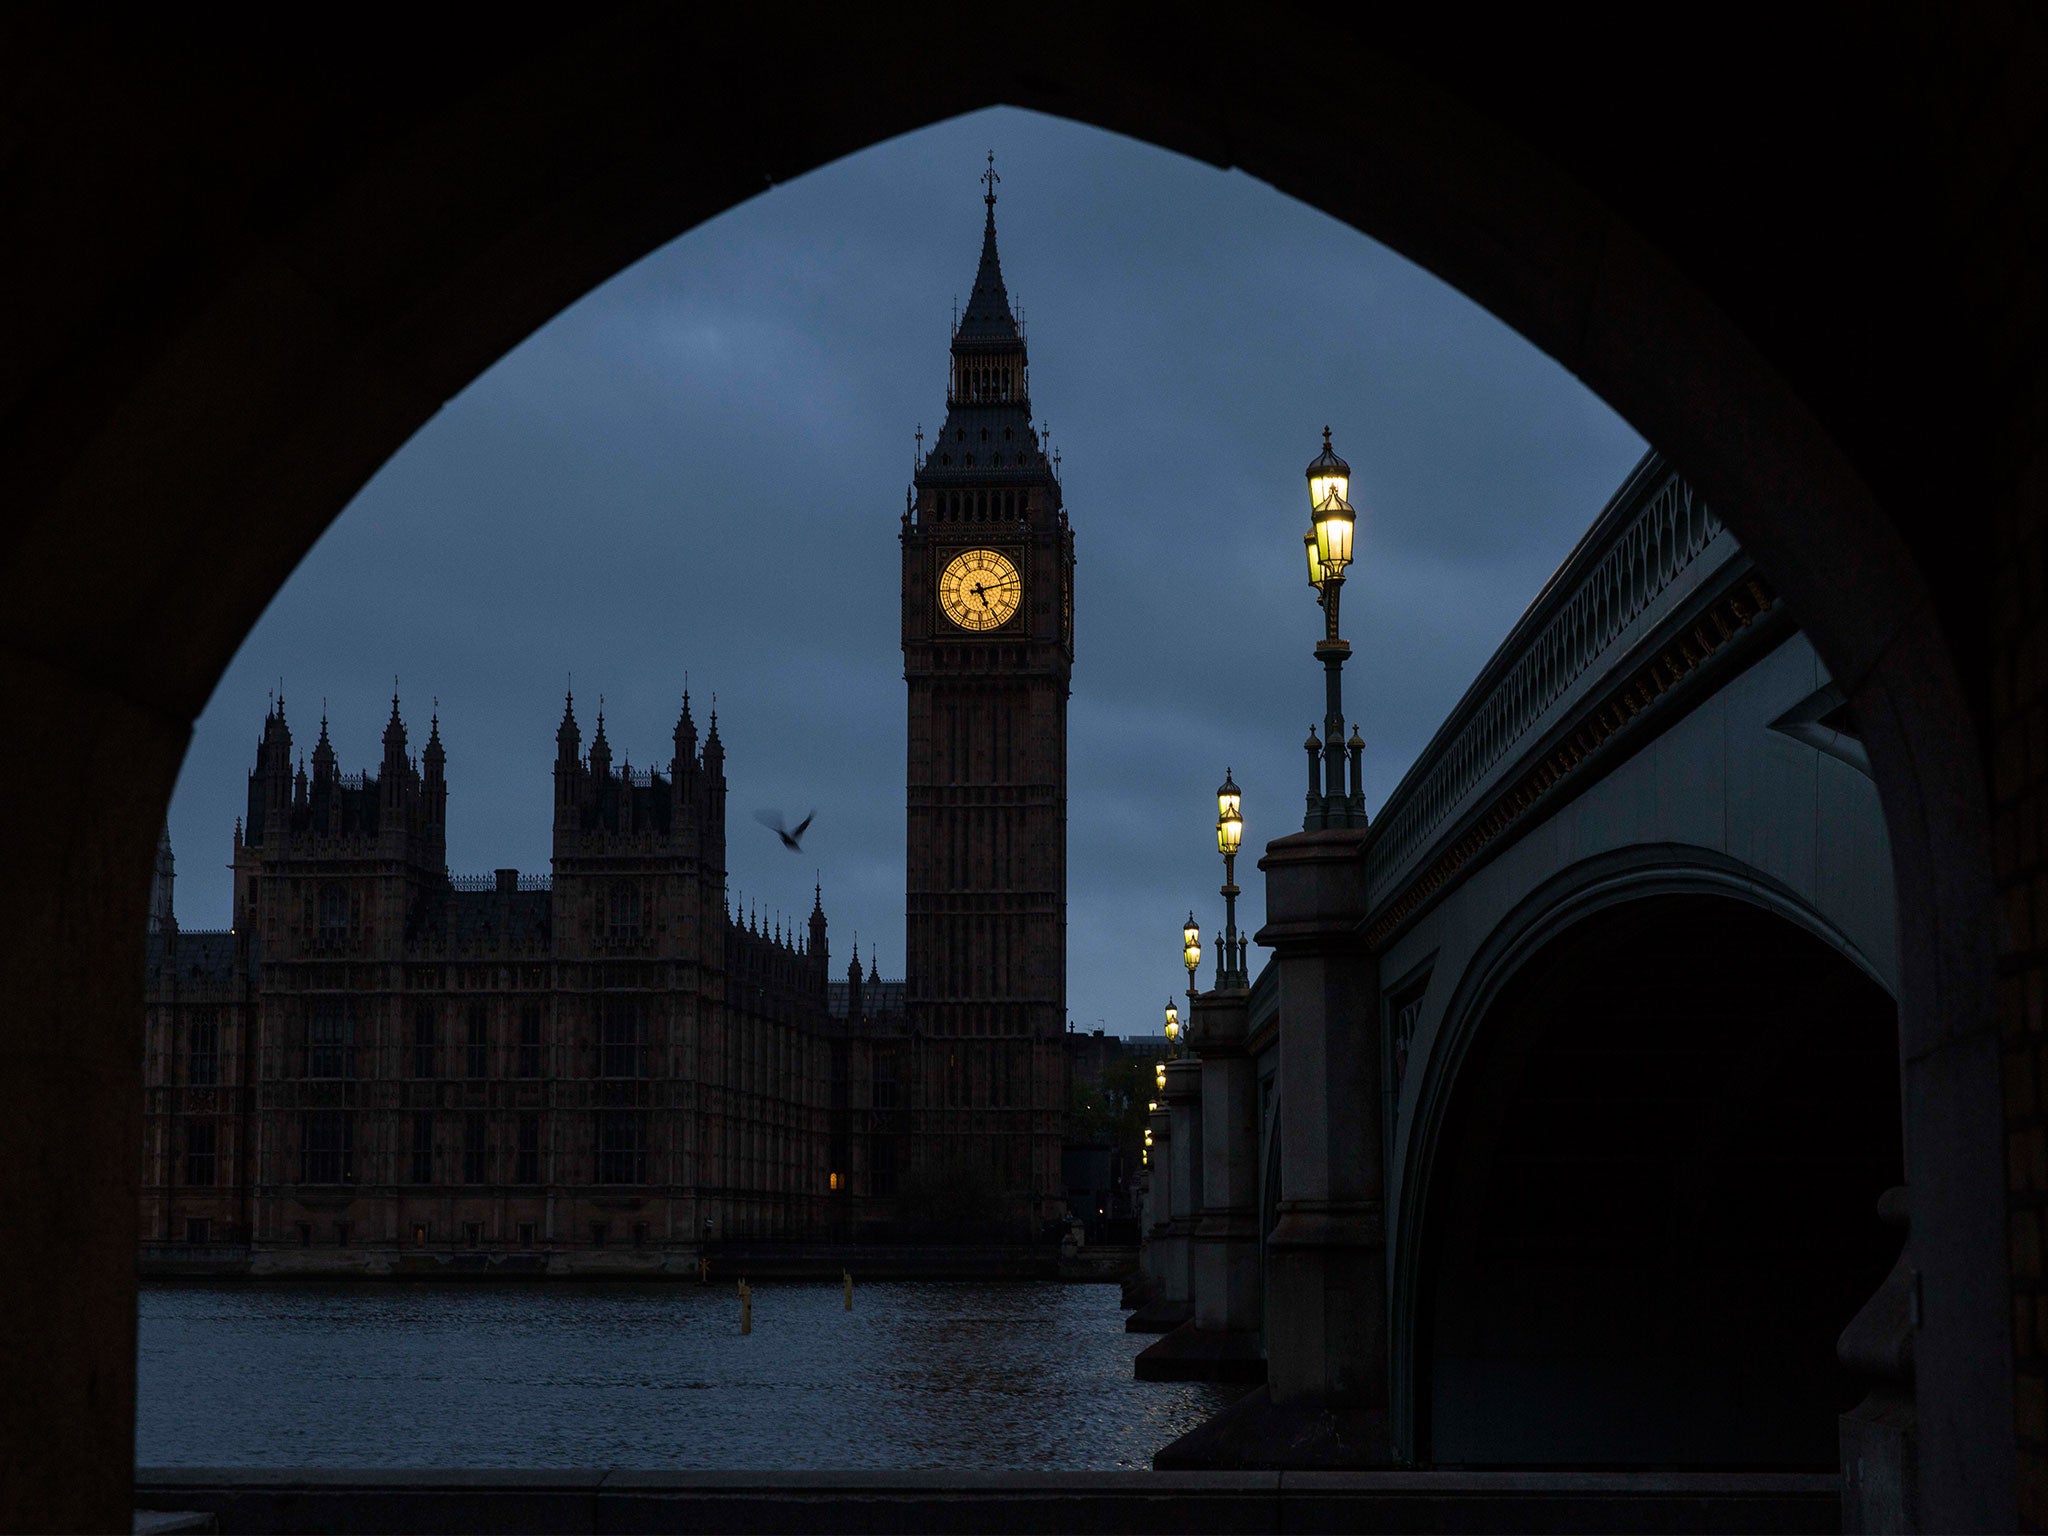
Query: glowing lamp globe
[(1329, 488), (1229, 819)]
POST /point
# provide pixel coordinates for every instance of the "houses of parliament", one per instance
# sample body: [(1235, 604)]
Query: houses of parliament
[(382, 1066)]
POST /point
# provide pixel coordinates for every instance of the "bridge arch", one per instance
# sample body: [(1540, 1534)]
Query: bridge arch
[(245, 281), (1499, 1033)]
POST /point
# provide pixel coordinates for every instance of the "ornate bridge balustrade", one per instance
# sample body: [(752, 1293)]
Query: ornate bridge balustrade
[(1641, 558)]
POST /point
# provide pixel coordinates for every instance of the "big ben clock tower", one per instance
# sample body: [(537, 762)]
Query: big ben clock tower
[(988, 648)]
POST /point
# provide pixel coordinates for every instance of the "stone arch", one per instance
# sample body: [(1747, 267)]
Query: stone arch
[(1640, 1241), (245, 282), (1567, 899)]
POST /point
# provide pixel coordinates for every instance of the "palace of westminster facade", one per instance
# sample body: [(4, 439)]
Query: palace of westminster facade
[(379, 1065)]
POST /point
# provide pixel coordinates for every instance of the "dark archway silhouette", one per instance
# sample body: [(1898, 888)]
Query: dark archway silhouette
[(1655, 1203), (1794, 252)]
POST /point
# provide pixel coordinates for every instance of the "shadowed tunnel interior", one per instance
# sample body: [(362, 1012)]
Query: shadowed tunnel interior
[(1655, 1204)]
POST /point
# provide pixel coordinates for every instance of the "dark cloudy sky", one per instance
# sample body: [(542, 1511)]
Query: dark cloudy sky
[(700, 467)]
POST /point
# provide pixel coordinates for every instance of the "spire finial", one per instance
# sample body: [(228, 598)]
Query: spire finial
[(989, 179)]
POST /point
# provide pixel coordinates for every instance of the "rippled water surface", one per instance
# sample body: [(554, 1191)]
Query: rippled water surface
[(919, 1374)]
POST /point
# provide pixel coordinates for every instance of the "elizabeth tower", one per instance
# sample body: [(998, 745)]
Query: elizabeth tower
[(988, 648)]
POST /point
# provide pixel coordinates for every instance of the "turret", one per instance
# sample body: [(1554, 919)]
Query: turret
[(392, 775), (162, 918), (270, 786), (713, 835), (685, 760), (568, 755), (818, 952), (714, 750), (324, 797), (600, 749), (434, 791)]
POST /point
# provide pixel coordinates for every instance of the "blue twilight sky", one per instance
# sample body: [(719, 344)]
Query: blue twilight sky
[(699, 467)]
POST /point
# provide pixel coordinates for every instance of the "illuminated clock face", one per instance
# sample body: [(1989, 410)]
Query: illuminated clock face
[(979, 589)]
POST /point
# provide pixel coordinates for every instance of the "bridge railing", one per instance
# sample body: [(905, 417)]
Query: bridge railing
[(1643, 551)]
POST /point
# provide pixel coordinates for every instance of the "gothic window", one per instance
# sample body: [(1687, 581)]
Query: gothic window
[(423, 1146), (885, 1080), (528, 1171), (199, 1157), (477, 1042), (423, 1040), (202, 1049), (619, 1037), (473, 1128), (882, 1165), (326, 1147), (623, 916), (333, 914), (328, 1037), (621, 1153), (529, 1040)]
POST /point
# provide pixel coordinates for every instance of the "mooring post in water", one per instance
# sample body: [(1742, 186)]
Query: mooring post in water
[(849, 1288)]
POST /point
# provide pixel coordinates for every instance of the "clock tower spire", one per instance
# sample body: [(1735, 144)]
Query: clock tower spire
[(988, 649)]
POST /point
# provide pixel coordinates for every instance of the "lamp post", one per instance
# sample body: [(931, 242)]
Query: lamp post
[(1229, 838), (1328, 543), (1191, 956), (1172, 1030)]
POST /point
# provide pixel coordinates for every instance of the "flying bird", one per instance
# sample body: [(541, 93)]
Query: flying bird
[(772, 820)]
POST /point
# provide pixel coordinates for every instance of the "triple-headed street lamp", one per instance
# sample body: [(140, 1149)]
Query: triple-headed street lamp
[(1328, 542)]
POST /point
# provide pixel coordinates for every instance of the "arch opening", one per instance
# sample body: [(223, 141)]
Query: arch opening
[(1654, 1208), (111, 503)]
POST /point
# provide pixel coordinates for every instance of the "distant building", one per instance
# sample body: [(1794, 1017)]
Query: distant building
[(379, 1064)]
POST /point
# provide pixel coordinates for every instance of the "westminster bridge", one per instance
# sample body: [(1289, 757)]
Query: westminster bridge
[(1554, 1129)]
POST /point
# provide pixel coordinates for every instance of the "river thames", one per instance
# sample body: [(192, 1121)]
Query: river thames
[(973, 1375)]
